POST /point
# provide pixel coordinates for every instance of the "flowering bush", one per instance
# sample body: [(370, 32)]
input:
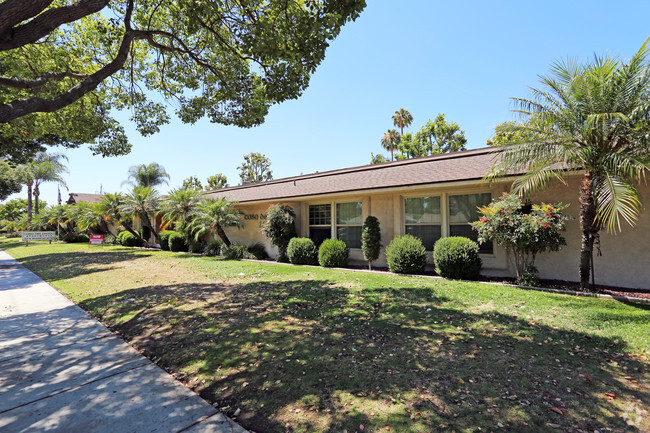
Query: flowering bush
[(523, 230)]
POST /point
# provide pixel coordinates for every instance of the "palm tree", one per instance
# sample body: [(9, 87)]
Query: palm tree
[(402, 119), (111, 207), (592, 118), (142, 201), (390, 140), (147, 175), (178, 205), (212, 215), (47, 167)]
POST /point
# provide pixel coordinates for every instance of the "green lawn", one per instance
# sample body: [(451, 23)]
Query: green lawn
[(305, 349)]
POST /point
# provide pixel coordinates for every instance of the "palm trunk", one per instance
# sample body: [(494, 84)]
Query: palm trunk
[(147, 221), (36, 193), (29, 201), (222, 235), (588, 228), (129, 229)]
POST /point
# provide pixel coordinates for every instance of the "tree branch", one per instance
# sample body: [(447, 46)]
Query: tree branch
[(14, 12), (40, 81), (30, 32), (22, 107)]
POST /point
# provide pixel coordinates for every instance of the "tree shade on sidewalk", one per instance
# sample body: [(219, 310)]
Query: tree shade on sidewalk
[(61, 370)]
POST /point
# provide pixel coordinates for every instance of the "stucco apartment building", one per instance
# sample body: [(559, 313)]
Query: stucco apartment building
[(432, 197)]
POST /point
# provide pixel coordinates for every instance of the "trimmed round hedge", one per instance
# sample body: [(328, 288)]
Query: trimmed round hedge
[(163, 238), (213, 248), (177, 242), (333, 253), (302, 251), (406, 255), (76, 238), (128, 240), (457, 257)]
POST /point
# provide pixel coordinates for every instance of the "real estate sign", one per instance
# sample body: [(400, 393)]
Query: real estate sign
[(96, 239), (38, 236)]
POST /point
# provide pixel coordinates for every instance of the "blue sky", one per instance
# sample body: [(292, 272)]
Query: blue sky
[(464, 59)]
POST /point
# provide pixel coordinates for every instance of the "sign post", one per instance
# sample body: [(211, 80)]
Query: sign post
[(96, 240)]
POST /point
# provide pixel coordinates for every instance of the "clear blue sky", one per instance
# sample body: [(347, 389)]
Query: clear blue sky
[(465, 59)]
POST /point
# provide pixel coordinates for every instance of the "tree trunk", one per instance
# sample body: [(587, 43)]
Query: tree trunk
[(147, 221), (129, 229), (588, 228), (29, 201), (36, 193), (223, 235)]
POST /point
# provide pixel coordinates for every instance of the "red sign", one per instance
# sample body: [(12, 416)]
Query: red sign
[(96, 239)]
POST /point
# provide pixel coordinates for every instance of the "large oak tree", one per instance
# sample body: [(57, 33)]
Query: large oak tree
[(65, 64)]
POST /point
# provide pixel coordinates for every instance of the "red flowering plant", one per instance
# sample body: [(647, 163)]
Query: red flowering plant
[(523, 230)]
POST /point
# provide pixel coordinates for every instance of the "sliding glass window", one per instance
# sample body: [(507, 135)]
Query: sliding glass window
[(422, 219), (349, 222), (462, 211)]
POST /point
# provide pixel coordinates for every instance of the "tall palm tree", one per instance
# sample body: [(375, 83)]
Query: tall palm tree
[(47, 167), (390, 140), (141, 202), (213, 215), (178, 206), (147, 175), (593, 118), (402, 119)]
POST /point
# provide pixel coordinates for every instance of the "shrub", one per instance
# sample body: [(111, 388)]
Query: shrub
[(280, 228), (457, 257), (163, 238), (333, 253), (258, 251), (371, 240), (76, 238), (406, 255), (530, 277), (235, 252), (195, 247), (524, 230), (302, 251), (127, 239), (177, 242), (213, 248)]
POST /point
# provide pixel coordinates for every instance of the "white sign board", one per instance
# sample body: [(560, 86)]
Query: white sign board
[(38, 236)]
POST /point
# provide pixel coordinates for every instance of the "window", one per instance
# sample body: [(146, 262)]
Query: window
[(422, 219), (320, 223), (348, 223), (462, 211)]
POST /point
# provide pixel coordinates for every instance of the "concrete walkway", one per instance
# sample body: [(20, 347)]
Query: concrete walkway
[(62, 371)]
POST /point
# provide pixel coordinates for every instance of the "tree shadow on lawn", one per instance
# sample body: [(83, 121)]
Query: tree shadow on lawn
[(307, 355), (57, 266)]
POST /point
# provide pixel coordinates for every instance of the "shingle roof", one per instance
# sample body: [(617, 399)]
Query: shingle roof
[(465, 165), (79, 197)]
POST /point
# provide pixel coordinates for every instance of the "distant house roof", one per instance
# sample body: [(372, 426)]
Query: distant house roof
[(79, 197), (449, 167)]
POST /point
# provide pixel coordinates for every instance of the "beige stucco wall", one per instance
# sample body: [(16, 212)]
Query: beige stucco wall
[(625, 261)]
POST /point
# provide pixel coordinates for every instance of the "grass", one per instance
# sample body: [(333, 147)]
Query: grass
[(303, 349)]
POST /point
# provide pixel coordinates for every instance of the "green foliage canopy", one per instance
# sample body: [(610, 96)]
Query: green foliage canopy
[(64, 65), (255, 168), (217, 181)]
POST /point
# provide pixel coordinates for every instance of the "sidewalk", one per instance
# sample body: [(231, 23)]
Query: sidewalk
[(62, 371)]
